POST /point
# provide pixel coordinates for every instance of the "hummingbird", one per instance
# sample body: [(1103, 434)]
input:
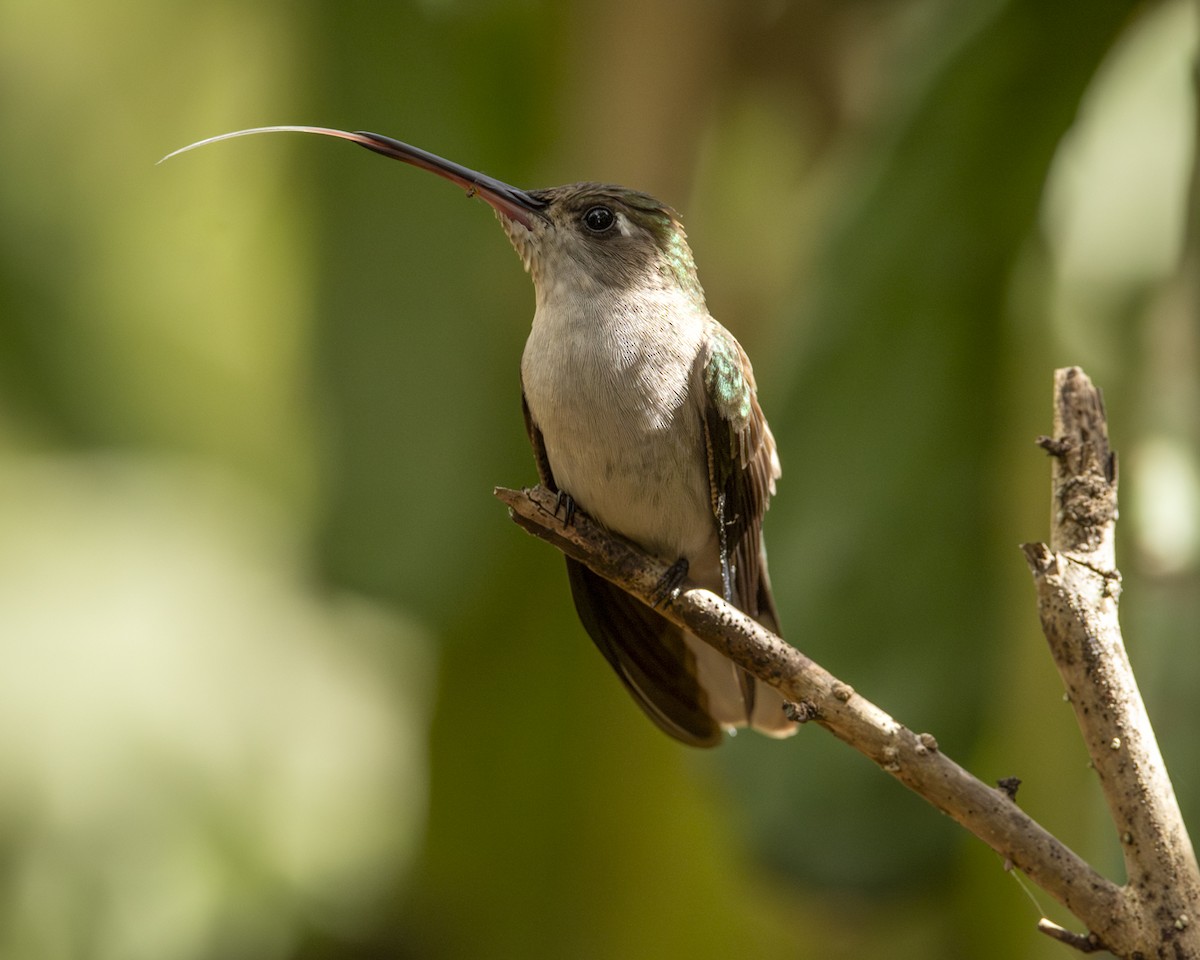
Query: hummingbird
[(643, 412)]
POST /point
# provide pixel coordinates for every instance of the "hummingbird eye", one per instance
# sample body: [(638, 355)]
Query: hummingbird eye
[(599, 218)]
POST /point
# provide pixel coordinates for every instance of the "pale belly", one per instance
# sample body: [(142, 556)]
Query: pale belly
[(624, 438), (643, 482)]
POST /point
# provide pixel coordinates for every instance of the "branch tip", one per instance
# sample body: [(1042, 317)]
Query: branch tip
[(1056, 447), (1040, 558), (1084, 944)]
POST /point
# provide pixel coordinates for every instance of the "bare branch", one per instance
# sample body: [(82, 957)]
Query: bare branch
[(913, 759), (1077, 587), (1088, 944), (1156, 914)]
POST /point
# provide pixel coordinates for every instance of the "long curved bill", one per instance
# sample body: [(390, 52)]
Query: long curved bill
[(507, 200)]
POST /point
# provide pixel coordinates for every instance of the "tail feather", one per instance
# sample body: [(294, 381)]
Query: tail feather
[(686, 687), (649, 654)]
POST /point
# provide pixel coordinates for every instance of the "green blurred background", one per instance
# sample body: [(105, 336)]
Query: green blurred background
[(278, 679)]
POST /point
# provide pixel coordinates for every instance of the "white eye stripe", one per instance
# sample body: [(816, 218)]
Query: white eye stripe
[(623, 225)]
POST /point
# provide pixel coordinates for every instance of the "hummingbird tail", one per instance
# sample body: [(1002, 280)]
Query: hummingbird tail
[(650, 655)]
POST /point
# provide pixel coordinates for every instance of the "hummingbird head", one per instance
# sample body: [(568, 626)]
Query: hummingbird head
[(583, 237), (593, 237)]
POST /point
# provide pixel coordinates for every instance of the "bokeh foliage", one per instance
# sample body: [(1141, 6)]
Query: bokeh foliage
[(277, 678)]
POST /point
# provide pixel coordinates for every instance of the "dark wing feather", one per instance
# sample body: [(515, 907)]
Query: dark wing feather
[(742, 467), (545, 475), (647, 652)]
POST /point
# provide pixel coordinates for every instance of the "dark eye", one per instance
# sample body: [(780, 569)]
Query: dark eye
[(599, 218)]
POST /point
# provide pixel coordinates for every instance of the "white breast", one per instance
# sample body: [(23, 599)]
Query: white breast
[(611, 392)]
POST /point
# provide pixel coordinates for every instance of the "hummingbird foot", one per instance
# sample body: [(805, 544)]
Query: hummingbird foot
[(565, 503), (668, 587)]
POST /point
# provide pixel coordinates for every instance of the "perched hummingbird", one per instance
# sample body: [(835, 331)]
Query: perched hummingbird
[(642, 410)]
